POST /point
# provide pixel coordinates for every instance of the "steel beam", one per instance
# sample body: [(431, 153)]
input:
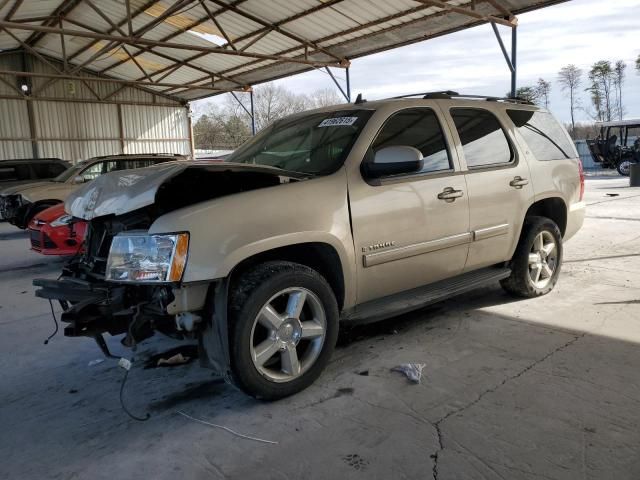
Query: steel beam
[(468, 12), (66, 76), (153, 43)]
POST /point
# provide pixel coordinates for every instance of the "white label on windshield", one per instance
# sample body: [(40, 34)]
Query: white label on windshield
[(338, 122)]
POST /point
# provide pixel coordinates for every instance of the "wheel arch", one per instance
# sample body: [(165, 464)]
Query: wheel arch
[(553, 208), (320, 256)]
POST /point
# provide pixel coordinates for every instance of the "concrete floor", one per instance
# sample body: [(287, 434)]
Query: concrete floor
[(545, 388)]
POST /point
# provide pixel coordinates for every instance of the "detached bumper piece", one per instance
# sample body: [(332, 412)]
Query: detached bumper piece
[(92, 308), (88, 307)]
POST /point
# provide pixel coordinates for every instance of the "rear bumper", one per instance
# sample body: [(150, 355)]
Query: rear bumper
[(575, 219)]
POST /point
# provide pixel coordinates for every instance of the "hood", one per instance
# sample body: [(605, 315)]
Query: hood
[(50, 214), (17, 189), (180, 183), (48, 191)]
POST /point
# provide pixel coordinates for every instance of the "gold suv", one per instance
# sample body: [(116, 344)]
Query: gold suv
[(355, 213)]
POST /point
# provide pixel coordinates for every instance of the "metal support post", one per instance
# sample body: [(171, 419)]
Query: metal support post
[(511, 60), (348, 85), (249, 112), (344, 94), (253, 117), (514, 52)]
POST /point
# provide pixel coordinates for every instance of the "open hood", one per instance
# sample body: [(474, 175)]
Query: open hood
[(169, 185)]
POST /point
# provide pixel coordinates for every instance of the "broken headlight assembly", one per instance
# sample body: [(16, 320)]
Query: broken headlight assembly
[(144, 258)]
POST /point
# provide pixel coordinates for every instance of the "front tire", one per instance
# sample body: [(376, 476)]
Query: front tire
[(536, 263), (283, 320), (624, 168)]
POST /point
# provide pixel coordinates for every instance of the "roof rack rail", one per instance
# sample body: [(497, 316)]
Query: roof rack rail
[(448, 94)]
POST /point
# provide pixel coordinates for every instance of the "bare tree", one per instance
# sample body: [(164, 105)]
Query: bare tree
[(638, 64), (324, 98), (618, 81), (601, 77), (543, 89), (570, 79)]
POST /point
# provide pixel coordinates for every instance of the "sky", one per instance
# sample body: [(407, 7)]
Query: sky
[(579, 32)]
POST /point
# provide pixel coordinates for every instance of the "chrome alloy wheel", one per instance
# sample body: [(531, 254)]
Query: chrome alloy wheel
[(288, 334), (543, 259)]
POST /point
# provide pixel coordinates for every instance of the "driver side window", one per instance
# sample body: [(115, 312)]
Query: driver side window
[(418, 128)]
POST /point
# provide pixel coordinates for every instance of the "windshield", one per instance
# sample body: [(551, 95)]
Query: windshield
[(69, 173), (315, 144)]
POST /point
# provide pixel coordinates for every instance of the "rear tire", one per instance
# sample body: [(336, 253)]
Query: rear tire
[(536, 263), (283, 322)]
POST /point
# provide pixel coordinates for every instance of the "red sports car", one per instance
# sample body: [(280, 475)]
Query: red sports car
[(54, 232)]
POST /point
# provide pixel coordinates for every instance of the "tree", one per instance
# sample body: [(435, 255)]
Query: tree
[(601, 77), (570, 79), (618, 81), (638, 64), (543, 89), (325, 98), (530, 94)]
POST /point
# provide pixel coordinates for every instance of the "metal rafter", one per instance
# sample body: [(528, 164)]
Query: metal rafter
[(468, 12), (173, 35), (154, 43), (257, 35), (217, 24), (281, 31), (14, 9), (119, 81), (388, 18), (62, 11)]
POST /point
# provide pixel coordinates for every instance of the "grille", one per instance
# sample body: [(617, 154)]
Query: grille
[(36, 242), (48, 243)]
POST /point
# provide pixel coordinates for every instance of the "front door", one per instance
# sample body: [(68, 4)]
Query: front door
[(410, 229)]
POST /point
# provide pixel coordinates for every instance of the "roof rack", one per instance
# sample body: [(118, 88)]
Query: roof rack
[(448, 94)]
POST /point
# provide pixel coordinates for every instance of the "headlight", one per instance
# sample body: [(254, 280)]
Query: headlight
[(63, 220), (147, 258)]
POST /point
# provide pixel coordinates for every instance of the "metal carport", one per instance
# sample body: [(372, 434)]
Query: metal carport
[(137, 52)]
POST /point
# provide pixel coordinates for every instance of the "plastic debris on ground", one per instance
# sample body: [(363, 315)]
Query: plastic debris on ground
[(97, 361), (413, 371)]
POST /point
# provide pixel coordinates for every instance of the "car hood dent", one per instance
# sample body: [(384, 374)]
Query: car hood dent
[(121, 192)]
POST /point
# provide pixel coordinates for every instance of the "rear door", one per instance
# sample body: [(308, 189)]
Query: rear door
[(405, 235), (498, 183)]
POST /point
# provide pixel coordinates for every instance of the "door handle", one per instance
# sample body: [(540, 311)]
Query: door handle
[(519, 182), (449, 194)]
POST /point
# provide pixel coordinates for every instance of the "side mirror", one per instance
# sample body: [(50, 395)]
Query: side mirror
[(78, 180), (394, 160)]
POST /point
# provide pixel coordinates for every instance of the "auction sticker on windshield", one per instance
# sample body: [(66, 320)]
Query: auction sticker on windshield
[(338, 122)]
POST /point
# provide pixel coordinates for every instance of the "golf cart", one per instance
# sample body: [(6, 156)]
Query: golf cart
[(618, 145)]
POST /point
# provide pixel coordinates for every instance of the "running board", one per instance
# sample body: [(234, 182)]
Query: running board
[(404, 302)]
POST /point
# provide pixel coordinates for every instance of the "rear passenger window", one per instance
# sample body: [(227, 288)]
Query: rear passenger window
[(546, 139), (419, 128), (483, 141)]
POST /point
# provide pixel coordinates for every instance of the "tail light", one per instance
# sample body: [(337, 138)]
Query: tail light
[(581, 173)]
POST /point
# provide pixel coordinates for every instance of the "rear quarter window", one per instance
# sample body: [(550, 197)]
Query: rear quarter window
[(545, 137), (12, 173)]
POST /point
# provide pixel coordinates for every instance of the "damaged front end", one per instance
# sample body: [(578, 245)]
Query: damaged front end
[(129, 282), (94, 305)]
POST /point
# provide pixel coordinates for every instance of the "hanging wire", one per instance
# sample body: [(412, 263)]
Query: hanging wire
[(55, 321)]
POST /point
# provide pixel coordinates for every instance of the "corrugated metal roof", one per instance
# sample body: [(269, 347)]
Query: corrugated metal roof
[(269, 38)]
